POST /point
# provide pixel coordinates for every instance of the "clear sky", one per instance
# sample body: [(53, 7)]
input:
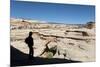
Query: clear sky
[(59, 13)]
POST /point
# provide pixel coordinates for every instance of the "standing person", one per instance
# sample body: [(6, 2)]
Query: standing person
[(29, 41)]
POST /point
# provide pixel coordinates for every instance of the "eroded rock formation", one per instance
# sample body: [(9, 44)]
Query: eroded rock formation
[(55, 40)]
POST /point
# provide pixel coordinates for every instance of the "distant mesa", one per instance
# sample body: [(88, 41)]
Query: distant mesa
[(90, 25), (23, 20), (25, 24)]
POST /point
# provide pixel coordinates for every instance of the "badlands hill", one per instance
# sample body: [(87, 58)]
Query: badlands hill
[(72, 42)]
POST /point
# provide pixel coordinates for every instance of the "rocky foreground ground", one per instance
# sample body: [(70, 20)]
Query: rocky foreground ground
[(64, 42)]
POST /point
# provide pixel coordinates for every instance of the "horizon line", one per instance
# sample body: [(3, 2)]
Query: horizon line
[(49, 22)]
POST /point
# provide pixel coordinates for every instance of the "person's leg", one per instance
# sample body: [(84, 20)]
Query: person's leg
[(31, 50)]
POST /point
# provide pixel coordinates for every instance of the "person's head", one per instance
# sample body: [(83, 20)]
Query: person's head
[(30, 33)]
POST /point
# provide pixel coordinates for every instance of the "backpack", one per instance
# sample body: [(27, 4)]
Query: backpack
[(26, 41)]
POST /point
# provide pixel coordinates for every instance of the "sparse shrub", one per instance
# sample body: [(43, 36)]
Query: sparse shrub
[(85, 34), (49, 55), (71, 44)]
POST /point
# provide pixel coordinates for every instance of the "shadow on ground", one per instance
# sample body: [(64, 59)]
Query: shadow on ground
[(19, 58)]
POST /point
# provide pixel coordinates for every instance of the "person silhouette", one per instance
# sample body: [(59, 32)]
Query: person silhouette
[(30, 43)]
